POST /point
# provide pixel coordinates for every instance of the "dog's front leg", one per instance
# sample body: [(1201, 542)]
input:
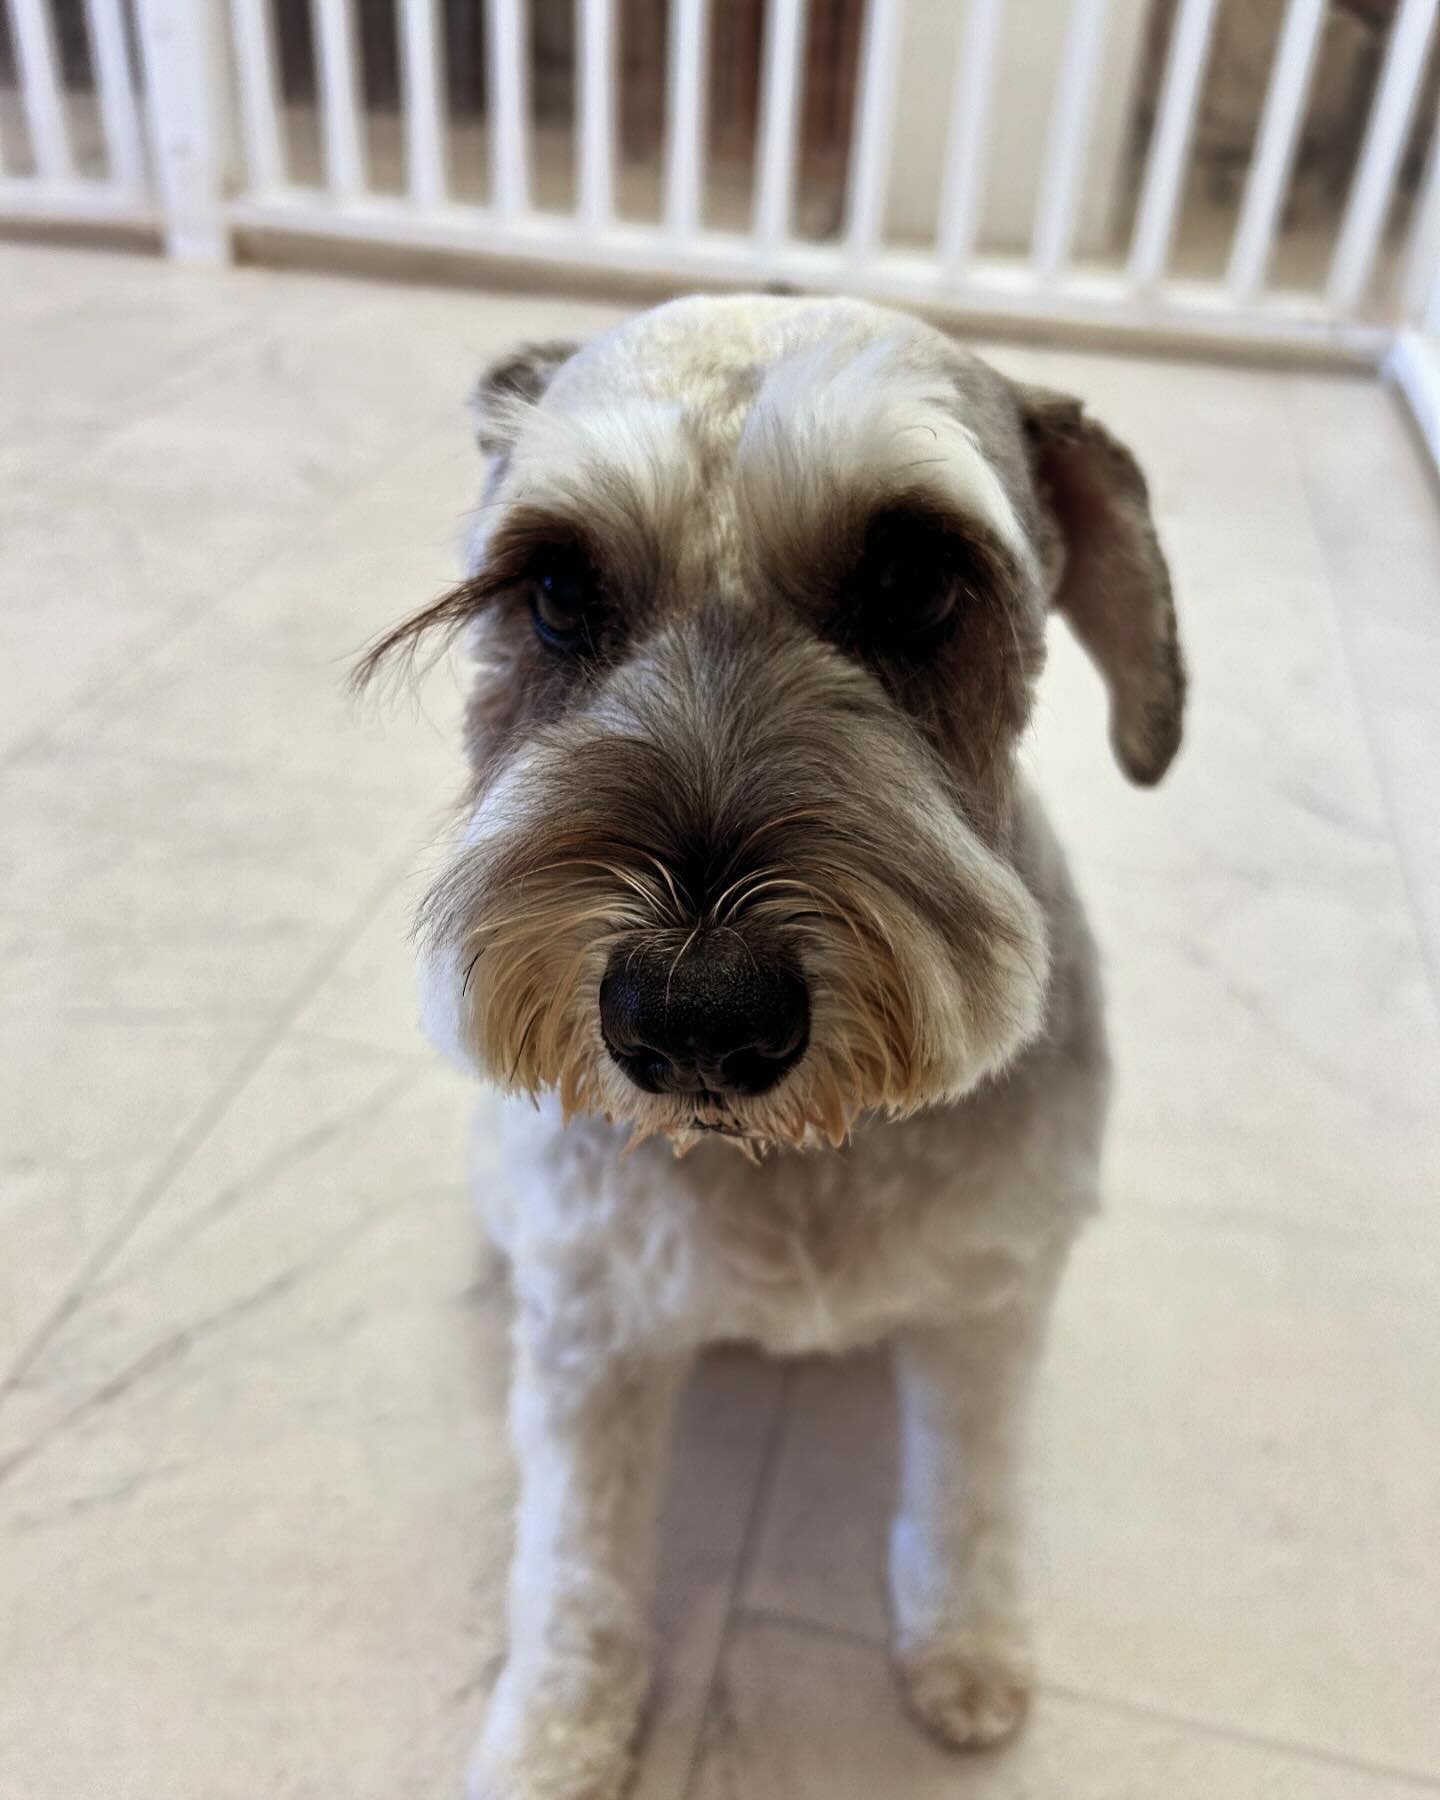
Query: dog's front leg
[(590, 1428), (961, 1645)]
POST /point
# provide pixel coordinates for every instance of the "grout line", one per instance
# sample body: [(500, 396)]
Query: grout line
[(1250, 1740), (772, 1619), (1136, 1710), (1429, 957), (744, 1565), (207, 1119), (176, 1344)]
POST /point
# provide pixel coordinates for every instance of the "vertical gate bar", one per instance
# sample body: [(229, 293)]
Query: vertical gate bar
[(1165, 173), (1275, 150), (595, 141), (259, 95), (187, 101), (40, 89), (424, 107), (685, 125), (779, 121), (1062, 182), (1390, 116), (967, 149), (115, 84), (1422, 258), (870, 153), (506, 40), (340, 100)]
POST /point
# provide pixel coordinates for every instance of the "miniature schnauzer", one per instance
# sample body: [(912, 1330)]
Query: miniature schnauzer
[(752, 914)]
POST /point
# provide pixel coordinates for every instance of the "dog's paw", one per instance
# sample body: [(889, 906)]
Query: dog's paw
[(560, 1729), (967, 1694), (553, 1761)]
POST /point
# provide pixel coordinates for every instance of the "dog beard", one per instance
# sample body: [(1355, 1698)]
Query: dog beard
[(924, 956)]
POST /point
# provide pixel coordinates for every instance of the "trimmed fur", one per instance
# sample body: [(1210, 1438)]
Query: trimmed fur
[(771, 728)]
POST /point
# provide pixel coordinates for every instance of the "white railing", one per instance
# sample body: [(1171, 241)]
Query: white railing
[(57, 186), (207, 154)]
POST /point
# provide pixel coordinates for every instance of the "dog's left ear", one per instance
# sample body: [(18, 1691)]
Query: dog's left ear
[(1113, 585), (516, 380)]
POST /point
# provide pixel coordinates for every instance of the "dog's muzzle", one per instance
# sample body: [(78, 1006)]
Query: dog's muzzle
[(719, 1019)]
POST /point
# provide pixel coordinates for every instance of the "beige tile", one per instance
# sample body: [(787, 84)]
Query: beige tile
[(283, 1173), (258, 684), (199, 824), (289, 1495), (84, 588), (802, 1717), (183, 486), (292, 1196), (1399, 672), (210, 474), (155, 495), (370, 997), (1373, 498), (169, 884), (90, 339), (1275, 1033), (1213, 442), (1240, 1478), (1236, 1481), (156, 929), (1377, 517), (820, 1550), (726, 1421), (270, 1560), (91, 1106), (159, 918), (266, 1554)]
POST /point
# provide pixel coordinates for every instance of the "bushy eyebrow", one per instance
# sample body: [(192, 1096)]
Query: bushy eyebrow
[(834, 435), (853, 426)]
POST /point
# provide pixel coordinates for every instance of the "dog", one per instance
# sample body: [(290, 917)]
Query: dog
[(751, 913)]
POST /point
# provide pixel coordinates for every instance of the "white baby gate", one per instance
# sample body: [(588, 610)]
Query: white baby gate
[(193, 141)]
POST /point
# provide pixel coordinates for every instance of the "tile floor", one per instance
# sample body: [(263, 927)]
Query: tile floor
[(253, 1483)]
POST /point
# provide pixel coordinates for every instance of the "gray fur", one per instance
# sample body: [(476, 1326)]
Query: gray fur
[(920, 1175)]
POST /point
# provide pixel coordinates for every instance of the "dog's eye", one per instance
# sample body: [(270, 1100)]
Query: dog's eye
[(564, 598), (907, 584), (909, 592)]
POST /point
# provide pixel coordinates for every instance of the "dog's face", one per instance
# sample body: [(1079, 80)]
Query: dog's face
[(758, 597)]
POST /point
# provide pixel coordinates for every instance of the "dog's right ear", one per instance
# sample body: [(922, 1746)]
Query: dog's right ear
[(1114, 585), (509, 385)]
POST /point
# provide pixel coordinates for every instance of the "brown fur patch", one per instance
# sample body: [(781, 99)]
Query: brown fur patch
[(722, 798)]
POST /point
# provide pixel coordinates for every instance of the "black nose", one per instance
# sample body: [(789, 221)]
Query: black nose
[(720, 1019)]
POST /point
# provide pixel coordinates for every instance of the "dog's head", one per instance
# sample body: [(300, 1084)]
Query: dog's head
[(758, 596)]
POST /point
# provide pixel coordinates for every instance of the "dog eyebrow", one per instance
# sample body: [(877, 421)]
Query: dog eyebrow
[(839, 421), (617, 464)]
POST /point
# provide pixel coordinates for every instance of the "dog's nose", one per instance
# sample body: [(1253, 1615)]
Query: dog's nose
[(719, 1019)]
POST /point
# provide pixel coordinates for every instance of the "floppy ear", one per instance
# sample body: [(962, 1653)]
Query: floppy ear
[(1113, 585), (515, 379)]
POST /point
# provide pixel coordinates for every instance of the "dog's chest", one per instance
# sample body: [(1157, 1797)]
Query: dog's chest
[(802, 1253)]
